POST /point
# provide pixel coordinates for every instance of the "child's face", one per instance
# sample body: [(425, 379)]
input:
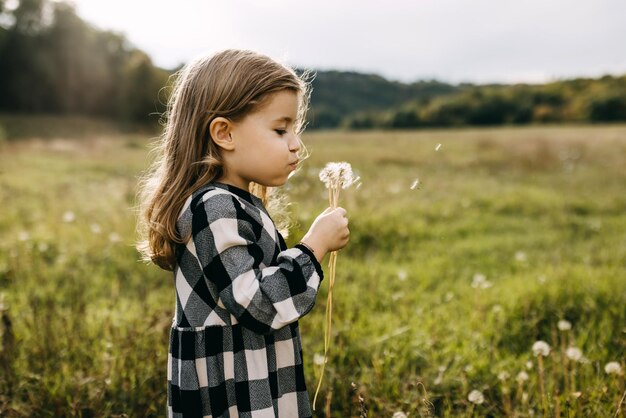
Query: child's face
[(265, 143)]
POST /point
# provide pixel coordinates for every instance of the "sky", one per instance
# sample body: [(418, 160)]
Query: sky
[(477, 41)]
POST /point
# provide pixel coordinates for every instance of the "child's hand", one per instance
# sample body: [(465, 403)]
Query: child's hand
[(329, 232)]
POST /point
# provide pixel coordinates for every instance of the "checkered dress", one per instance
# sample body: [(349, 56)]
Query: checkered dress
[(235, 347)]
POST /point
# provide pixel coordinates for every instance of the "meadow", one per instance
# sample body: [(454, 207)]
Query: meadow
[(467, 247)]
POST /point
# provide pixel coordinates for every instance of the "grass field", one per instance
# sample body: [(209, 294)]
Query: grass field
[(443, 289)]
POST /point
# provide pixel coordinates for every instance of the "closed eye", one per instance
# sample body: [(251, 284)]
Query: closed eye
[(280, 132)]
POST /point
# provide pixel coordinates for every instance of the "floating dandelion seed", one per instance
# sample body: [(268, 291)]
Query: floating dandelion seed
[(415, 184), (574, 353), (564, 325), (476, 397), (69, 216), (437, 147), (613, 367), (541, 348)]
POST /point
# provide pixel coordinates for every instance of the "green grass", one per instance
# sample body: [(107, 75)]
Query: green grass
[(539, 211)]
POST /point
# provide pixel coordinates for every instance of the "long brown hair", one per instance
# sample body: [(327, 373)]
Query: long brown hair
[(231, 84)]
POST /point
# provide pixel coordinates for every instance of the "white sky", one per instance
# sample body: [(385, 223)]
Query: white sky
[(455, 41)]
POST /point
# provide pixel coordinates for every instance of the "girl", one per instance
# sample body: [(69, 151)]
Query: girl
[(232, 134)]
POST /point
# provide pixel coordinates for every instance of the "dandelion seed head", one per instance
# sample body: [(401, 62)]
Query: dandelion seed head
[(521, 377), (503, 376), (399, 414), (338, 175), (541, 348), (114, 237), (23, 236), (613, 367), (95, 228), (573, 353), (564, 325), (529, 365), (479, 281), (69, 216), (476, 397), (402, 275)]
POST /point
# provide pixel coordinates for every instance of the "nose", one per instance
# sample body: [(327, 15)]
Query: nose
[(294, 143)]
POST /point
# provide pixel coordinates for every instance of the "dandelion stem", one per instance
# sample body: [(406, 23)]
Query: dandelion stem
[(542, 386), (619, 405)]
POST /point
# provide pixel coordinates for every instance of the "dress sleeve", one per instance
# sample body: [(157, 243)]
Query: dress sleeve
[(262, 298)]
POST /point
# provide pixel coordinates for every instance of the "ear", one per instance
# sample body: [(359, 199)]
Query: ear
[(220, 129)]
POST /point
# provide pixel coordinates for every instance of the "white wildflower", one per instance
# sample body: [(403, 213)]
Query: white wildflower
[(541, 348), (69, 216), (399, 414), (95, 228), (476, 397), (521, 377), (479, 281), (613, 367), (574, 353), (564, 325), (338, 175)]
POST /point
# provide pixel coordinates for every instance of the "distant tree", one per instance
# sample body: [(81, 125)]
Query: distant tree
[(609, 108)]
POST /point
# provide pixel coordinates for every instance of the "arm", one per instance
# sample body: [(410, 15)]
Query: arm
[(262, 299)]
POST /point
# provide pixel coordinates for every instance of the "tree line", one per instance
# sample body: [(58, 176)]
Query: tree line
[(52, 62)]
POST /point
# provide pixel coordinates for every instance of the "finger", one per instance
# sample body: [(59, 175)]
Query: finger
[(342, 211)]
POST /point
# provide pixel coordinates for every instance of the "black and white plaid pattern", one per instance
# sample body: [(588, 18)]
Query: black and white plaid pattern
[(235, 348)]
